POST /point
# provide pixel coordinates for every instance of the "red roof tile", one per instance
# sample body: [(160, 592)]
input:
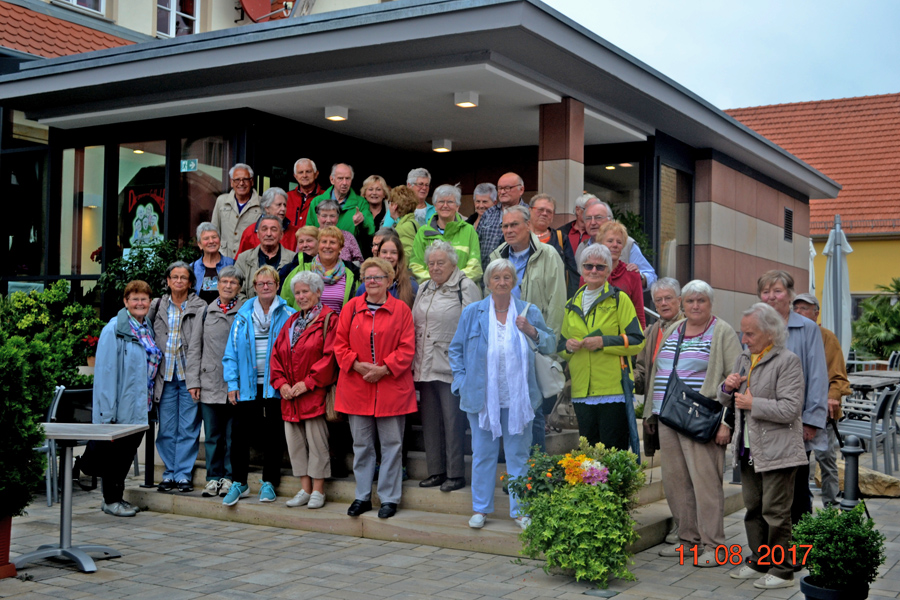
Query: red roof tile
[(855, 141), (42, 35)]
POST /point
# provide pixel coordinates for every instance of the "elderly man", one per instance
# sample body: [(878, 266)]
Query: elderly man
[(355, 216), (543, 209), (510, 188), (269, 252), (273, 202), (541, 281), (807, 306), (236, 210), (484, 197), (298, 200), (575, 230)]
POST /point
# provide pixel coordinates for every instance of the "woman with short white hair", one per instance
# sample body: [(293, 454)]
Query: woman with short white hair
[(302, 369), (449, 226), (701, 348)]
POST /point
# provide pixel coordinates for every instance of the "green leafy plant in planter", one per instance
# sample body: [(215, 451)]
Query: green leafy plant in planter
[(878, 328), (148, 264), (579, 506), (845, 555)]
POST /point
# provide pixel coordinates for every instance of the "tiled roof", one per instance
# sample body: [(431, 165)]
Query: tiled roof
[(856, 142), (42, 35)]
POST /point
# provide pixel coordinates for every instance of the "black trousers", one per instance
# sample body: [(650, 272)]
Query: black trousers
[(607, 423), (803, 498), (111, 461), (258, 421)]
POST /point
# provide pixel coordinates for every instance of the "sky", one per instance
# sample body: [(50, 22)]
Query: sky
[(755, 52)]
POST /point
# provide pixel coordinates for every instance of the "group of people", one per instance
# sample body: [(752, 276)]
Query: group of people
[(315, 303)]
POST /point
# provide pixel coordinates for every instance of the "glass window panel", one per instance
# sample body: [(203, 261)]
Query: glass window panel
[(81, 221), (163, 16), (203, 177), (674, 224), (617, 184), (142, 193), (22, 249)]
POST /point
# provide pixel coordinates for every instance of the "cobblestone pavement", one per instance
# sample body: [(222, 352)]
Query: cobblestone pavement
[(172, 557)]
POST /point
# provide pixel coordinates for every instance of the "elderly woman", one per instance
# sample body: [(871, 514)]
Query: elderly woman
[(483, 197), (256, 404), (692, 471), (599, 332), (448, 225), (205, 354), (614, 236), (776, 288), (307, 248), (175, 318), (338, 275), (436, 314), (207, 267), (376, 191), (303, 369), (328, 212), (402, 205), (766, 387), (666, 294), (124, 378), (404, 286), (490, 345), (374, 348), (273, 203)]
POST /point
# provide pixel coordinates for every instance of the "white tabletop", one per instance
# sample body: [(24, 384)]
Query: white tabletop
[(89, 431)]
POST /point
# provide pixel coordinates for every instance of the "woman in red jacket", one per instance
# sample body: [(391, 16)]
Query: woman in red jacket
[(614, 235), (374, 348), (303, 368)]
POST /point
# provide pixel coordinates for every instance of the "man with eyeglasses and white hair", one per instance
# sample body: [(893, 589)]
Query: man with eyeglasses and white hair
[(510, 188), (236, 210), (299, 199)]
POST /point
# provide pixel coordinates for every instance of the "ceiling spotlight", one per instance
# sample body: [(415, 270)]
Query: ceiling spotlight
[(138, 151), (626, 165), (465, 99), (610, 167), (441, 145), (336, 113)]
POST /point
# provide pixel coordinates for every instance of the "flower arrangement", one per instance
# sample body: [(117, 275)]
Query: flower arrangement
[(579, 506)]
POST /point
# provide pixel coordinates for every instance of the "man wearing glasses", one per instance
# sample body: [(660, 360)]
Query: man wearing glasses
[(596, 213), (236, 210), (510, 188)]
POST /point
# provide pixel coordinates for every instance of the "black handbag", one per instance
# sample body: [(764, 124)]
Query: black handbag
[(688, 412)]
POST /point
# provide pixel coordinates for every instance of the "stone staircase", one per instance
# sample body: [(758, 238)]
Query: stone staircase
[(426, 515)]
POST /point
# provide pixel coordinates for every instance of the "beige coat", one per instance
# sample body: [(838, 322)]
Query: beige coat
[(230, 224), (206, 351), (191, 320), (436, 314), (776, 431), (248, 263)]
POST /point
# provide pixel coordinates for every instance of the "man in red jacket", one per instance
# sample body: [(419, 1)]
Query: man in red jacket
[(299, 199)]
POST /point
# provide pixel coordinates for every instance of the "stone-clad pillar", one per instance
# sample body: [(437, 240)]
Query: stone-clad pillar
[(561, 155)]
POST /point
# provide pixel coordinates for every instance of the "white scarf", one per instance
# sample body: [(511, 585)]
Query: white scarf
[(516, 354)]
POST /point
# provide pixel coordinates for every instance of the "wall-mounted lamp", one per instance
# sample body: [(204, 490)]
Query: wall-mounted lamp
[(465, 99), (441, 145), (336, 113)]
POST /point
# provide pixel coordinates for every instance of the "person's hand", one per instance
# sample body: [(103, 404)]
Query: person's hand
[(734, 381), (595, 342), (299, 388), (724, 435), (743, 401), (357, 217), (362, 368), (574, 345), (809, 432), (195, 394), (233, 397), (375, 374), (649, 428), (631, 267), (286, 391), (833, 406), (526, 327)]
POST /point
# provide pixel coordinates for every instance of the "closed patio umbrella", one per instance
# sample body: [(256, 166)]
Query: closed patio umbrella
[(812, 268), (836, 289)]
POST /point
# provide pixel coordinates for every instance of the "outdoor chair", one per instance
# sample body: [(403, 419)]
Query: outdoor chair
[(894, 361), (49, 448), (880, 426)]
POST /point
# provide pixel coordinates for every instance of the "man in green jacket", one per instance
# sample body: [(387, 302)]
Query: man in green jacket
[(447, 225), (354, 210)]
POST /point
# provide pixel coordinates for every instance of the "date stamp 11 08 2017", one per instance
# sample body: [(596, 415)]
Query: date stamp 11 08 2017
[(768, 555)]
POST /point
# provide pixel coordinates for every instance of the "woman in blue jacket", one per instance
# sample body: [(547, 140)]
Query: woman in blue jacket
[(490, 345), (127, 361), (245, 367)]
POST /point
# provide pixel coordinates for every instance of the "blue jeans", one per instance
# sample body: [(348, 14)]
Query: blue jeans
[(217, 427), (485, 452), (178, 439)]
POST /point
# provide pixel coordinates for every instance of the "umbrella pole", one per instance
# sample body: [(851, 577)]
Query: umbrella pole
[(838, 285)]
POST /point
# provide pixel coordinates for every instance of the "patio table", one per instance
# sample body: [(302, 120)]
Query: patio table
[(66, 435)]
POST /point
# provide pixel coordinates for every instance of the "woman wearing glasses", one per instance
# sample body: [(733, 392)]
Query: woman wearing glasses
[(599, 334), (340, 280), (374, 348), (447, 225)]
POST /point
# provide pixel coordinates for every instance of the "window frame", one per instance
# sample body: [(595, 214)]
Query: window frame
[(173, 13), (98, 11)]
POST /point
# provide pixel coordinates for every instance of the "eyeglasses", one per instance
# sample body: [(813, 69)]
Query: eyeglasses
[(436, 263), (241, 180), (423, 185), (596, 218), (265, 284), (445, 203), (594, 267), (374, 278), (505, 188)]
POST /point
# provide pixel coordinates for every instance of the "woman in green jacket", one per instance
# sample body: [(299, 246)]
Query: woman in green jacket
[(338, 275), (403, 210), (599, 334)]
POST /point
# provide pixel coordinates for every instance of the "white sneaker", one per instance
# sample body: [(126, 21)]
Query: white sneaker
[(744, 572), (672, 551), (299, 500), (212, 489), (523, 522), (672, 536), (771, 582), (477, 521), (316, 500), (224, 486), (707, 559)]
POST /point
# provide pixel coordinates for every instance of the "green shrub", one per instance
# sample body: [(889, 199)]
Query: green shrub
[(148, 264), (846, 548), (878, 328)]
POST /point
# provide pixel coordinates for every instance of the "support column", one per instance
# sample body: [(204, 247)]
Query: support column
[(561, 155)]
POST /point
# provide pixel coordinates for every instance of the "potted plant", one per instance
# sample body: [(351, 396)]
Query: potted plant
[(579, 505), (845, 551)]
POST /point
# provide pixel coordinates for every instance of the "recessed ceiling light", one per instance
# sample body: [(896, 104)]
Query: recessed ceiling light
[(465, 99), (91, 206), (626, 165), (441, 145), (336, 113), (138, 151), (610, 167)]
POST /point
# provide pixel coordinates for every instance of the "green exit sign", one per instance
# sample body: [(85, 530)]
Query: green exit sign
[(189, 165)]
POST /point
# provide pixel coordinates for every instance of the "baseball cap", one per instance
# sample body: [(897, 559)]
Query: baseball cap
[(808, 298)]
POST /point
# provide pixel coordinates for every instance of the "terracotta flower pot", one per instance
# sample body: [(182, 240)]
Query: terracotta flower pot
[(7, 569)]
